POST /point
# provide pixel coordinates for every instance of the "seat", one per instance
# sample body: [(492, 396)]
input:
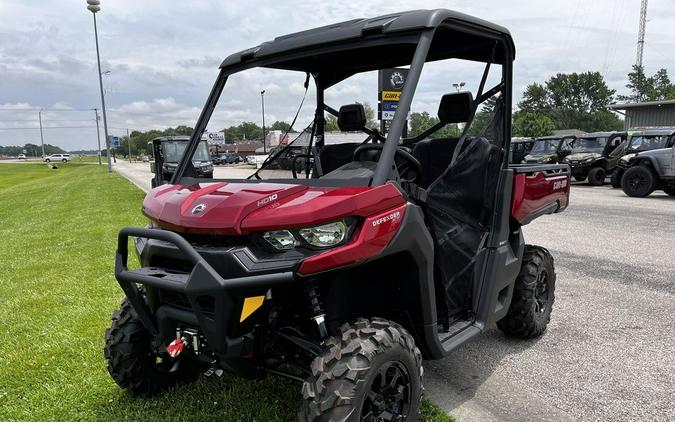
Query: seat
[(434, 156)]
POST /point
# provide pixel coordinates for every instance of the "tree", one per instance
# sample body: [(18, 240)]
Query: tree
[(530, 124), (331, 124), (574, 100), (642, 88), (370, 115), (419, 122), (279, 125)]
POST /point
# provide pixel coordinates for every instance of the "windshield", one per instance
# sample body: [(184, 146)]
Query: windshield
[(647, 142), (545, 146), (589, 145), (173, 151)]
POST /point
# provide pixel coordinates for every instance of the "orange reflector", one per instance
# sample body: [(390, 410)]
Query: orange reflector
[(251, 304)]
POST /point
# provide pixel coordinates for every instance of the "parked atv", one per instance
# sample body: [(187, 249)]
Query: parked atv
[(520, 147), (168, 151), (376, 255), (549, 149), (640, 141), (595, 155)]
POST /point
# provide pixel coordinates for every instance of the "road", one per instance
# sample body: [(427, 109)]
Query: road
[(609, 351)]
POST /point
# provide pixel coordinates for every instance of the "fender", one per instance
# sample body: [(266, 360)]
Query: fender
[(646, 160)]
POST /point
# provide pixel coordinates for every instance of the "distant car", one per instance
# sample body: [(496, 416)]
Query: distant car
[(57, 157), (226, 158), (145, 159), (21, 156)]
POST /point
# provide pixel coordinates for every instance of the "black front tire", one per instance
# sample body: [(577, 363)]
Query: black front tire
[(533, 296), (639, 181), (596, 177), (133, 364), (615, 180), (370, 371)]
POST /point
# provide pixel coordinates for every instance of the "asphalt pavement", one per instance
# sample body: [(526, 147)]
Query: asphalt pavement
[(609, 352)]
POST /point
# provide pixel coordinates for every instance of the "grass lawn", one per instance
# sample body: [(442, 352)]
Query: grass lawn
[(58, 233)]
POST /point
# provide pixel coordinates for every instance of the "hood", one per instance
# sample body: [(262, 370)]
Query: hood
[(581, 156), (541, 158), (240, 208)]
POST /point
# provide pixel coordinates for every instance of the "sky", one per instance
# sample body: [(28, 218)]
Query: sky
[(163, 57)]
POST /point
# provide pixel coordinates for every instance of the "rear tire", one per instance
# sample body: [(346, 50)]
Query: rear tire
[(615, 180), (533, 296), (639, 181), (596, 177), (372, 369), (133, 364)]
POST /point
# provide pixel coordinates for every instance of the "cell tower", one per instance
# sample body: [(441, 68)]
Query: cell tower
[(641, 33)]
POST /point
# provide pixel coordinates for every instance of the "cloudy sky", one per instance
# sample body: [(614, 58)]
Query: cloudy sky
[(163, 57)]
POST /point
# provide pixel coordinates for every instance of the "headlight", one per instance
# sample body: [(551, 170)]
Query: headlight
[(326, 235), (588, 160), (280, 239)]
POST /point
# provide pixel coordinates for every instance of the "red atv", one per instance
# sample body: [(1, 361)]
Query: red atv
[(346, 271)]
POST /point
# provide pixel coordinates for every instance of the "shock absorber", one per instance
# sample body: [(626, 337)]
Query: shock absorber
[(316, 307)]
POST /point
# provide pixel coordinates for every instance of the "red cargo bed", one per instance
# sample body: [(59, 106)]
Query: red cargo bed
[(538, 190)]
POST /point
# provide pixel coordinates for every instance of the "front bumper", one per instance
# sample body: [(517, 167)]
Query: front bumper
[(212, 301)]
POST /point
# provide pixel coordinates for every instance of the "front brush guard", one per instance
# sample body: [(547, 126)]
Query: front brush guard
[(201, 281)]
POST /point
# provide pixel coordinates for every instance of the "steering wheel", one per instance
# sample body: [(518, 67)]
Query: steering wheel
[(409, 164)]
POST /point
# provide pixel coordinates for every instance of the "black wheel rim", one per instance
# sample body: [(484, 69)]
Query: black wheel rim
[(388, 398), (638, 182), (541, 293)]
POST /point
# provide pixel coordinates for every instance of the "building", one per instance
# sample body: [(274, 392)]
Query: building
[(647, 114)]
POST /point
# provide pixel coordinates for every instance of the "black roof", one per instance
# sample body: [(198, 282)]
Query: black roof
[(558, 137), (596, 135), (383, 41)]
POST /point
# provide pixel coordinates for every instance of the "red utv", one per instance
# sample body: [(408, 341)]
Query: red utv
[(377, 254)]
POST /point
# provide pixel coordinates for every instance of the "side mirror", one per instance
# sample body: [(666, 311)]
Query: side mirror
[(455, 107)]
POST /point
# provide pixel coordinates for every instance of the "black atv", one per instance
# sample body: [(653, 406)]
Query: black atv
[(378, 254), (549, 149), (596, 155), (520, 147), (167, 152)]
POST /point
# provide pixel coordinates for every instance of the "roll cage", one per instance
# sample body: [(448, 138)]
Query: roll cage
[(334, 53)]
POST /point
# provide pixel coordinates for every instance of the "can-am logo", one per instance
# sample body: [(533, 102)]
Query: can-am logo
[(267, 200), (391, 217), (198, 209), (560, 184), (397, 80)]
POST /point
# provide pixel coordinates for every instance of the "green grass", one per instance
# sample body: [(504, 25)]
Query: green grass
[(58, 231)]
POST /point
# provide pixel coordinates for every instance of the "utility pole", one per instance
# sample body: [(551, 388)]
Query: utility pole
[(641, 33), (42, 139), (98, 136), (262, 98)]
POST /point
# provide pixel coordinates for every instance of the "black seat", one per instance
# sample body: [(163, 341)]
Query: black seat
[(334, 156), (434, 156)]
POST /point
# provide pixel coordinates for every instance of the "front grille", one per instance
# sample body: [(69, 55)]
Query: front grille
[(214, 241), (180, 300)]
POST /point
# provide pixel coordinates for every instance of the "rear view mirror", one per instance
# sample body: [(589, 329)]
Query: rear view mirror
[(455, 107)]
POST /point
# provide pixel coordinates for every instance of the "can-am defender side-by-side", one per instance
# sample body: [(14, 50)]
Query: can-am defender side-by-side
[(520, 147), (377, 254), (167, 152), (549, 149), (595, 155)]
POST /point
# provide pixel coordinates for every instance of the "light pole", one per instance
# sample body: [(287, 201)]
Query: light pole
[(94, 6), (262, 98), (459, 85), (42, 140)]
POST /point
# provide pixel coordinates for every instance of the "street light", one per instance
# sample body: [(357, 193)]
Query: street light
[(459, 85), (262, 98), (94, 6)]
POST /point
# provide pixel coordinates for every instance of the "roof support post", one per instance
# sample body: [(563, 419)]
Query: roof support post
[(384, 165)]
